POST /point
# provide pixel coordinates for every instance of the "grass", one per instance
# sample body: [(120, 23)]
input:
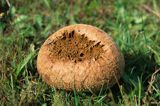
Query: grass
[(133, 24)]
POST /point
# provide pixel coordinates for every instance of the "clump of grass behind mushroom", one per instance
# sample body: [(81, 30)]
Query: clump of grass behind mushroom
[(80, 57)]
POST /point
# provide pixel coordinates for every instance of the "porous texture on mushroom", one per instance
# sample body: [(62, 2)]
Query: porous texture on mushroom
[(80, 57)]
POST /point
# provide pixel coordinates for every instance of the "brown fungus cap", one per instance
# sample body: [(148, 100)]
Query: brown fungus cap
[(80, 57)]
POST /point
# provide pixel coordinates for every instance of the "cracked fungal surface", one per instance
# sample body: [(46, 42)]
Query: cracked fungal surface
[(74, 47), (80, 57)]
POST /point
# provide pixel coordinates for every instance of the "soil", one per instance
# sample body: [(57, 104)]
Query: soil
[(75, 47)]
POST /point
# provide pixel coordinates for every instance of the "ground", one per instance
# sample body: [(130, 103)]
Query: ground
[(133, 24)]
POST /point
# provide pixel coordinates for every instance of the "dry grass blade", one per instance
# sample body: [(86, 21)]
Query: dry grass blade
[(152, 80), (150, 10), (8, 3), (0, 66), (150, 88)]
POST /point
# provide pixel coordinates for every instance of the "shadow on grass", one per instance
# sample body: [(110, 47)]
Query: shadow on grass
[(138, 69)]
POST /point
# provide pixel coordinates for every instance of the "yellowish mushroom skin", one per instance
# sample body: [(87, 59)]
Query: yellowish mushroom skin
[(86, 75)]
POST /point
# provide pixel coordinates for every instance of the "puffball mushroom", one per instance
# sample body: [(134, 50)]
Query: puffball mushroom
[(80, 57)]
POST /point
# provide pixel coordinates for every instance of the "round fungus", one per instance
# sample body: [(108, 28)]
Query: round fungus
[(80, 57)]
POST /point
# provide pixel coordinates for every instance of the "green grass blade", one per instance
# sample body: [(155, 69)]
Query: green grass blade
[(75, 98), (22, 64)]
